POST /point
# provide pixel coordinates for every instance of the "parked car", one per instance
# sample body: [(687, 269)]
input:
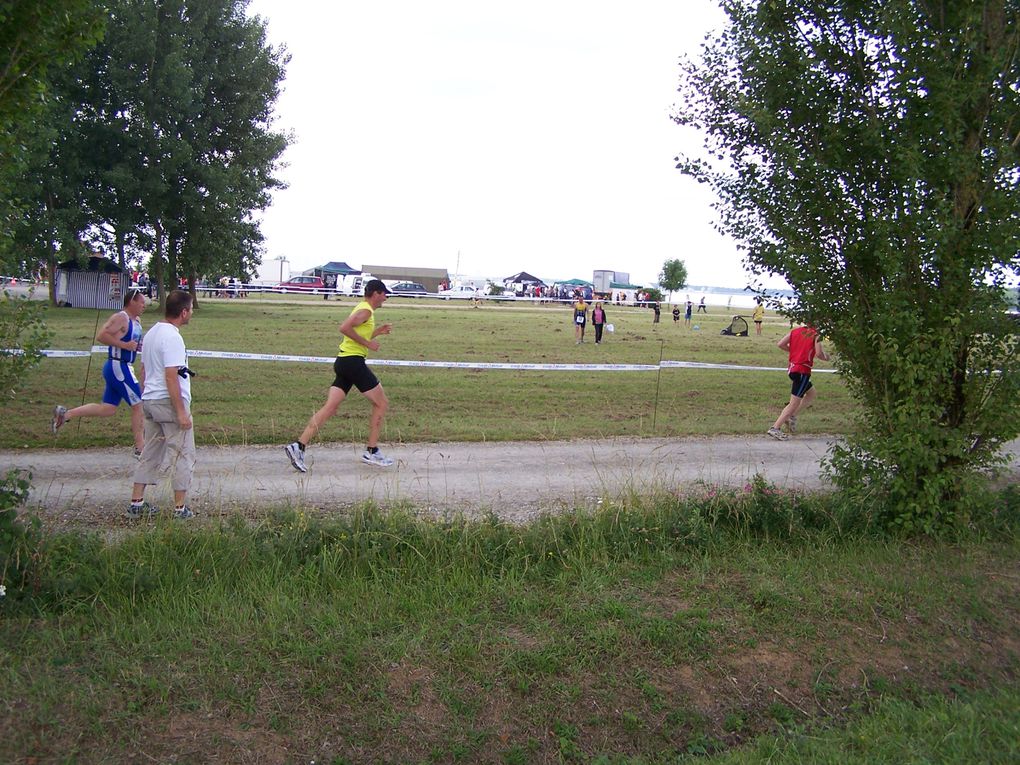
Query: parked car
[(463, 291), (310, 284), (409, 289)]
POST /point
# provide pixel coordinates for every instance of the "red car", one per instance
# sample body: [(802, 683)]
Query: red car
[(310, 284)]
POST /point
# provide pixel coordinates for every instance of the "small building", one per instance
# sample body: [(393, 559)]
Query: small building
[(429, 278), (602, 280), (272, 271), (96, 283)]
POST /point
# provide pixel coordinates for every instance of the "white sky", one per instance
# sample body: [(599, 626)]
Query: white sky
[(532, 135)]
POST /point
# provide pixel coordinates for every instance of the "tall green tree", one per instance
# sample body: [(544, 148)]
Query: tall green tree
[(869, 155), (167, 139), (37, 38), (673, 276), (235, 153)]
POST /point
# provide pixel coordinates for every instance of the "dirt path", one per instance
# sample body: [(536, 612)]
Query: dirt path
[(514, 480)]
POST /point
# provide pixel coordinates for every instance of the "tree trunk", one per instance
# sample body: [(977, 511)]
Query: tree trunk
[(193, 291), (51, 265), (156, 268), (120, 249), (172, 248)]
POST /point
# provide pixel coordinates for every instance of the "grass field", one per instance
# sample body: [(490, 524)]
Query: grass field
[(753, 627), (721, 626), (268, 402)]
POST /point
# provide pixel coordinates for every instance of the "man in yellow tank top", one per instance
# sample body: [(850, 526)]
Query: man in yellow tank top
[(351, 370)]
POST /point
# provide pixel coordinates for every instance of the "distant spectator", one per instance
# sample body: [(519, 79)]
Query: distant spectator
[(758, 316), (687, 313), (676, 315), (701, 306)]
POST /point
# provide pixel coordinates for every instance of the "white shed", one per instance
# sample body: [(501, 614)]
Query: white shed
[(98, 283)]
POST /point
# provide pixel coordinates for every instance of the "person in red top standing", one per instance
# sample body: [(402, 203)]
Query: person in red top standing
[(803, 344)]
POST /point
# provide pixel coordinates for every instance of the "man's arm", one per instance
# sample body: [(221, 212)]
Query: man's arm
[(112, 332), (173, 387), (820, 351), (785, 342), (356, 319)]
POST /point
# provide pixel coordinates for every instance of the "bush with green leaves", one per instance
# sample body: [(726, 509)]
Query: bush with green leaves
[(23, 336), (20, 537)]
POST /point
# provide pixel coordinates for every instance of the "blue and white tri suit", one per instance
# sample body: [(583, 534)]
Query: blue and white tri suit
[(119, 372)]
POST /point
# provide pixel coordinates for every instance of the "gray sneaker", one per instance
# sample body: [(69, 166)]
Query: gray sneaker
[(376, 459), (183, 512), (144, 510), (59, 417), (777, 434), (297, 457)]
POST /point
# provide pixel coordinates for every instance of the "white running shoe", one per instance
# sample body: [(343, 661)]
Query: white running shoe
[(297, 456), (59, 416), (777, 434), (376, 459)]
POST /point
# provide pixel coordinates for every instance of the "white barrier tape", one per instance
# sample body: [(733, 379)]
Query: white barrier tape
[(228, 292), (452, 364), (534, 367), (439, 364), (707, 365), (261, 357)]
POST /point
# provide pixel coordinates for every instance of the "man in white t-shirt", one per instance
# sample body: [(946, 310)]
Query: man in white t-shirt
[(166, 402)]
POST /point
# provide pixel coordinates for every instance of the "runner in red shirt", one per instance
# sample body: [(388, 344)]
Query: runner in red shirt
[(803, 344)]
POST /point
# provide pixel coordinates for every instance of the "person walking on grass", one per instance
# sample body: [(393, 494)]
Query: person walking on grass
[(351, 370), (803, 345), (122, 334), (598, 321), (580, 318), (166, 404)]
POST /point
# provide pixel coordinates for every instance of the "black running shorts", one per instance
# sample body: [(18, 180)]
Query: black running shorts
[(352, 370), (801, 384)]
